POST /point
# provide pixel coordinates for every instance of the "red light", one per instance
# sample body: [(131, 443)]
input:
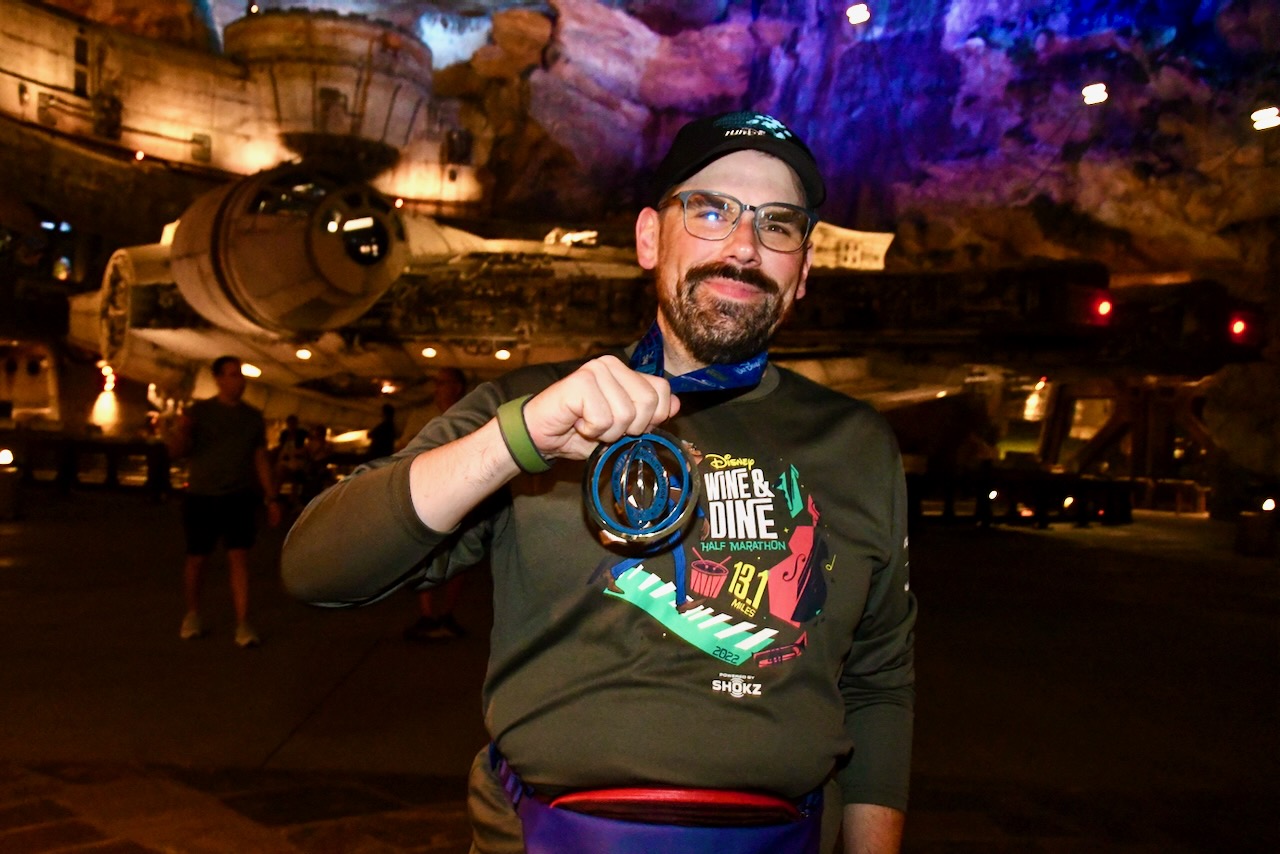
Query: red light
[(1244, 328), (1093, 307)]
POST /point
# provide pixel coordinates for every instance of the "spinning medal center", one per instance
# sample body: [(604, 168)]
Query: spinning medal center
[(641, 489)]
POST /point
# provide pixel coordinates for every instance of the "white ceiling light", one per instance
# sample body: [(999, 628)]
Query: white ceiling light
[(1267, 118), (858, 13), (1094, 93)]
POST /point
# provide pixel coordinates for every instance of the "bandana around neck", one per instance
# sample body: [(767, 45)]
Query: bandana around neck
[(647, 359)]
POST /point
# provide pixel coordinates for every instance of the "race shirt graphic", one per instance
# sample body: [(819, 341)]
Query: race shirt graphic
[(750, 572)]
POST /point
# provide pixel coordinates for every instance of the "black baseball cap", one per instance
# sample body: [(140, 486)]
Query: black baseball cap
[(711, 137)]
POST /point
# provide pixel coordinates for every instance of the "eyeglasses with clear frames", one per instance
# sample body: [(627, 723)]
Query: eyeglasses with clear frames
[(713, 216)]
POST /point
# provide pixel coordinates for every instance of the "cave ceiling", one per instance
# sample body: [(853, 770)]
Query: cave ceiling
[(959, 126)]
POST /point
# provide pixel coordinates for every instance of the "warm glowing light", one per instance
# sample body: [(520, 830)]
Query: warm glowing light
[(1104, 307), (107, 370), (110, 384), (1266, 118), (1268, 505), (1238, 327), (1036, 402), (138, 155), (254, 155), (389, 388), (558, 235), (1067, 502), (249, 370), (253, 9), (502, 354), (351, 436), (858, 13), (399, 203), (6, 457), (106, 410), (430, 352), (358, 223), (1094, 93), (417, 180), (992, 495), (302, 353), (940, 395)]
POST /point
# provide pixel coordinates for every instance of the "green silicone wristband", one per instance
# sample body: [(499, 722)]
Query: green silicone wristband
[(515, 433)]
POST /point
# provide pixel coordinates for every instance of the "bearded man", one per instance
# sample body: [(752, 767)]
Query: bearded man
[(710, 650)]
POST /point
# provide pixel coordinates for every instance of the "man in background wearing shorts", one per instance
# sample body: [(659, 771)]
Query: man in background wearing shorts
[(229, 475)]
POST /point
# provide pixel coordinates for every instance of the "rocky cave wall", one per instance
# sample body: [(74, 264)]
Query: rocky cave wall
[(958, 125)]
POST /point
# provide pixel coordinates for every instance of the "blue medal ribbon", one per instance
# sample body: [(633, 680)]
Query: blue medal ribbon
[(647, 359), (623, 456)]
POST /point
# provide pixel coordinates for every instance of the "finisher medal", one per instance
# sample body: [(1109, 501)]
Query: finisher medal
[(641, 489)]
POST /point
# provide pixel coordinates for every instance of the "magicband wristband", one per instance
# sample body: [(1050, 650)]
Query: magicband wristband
[(515, 434)]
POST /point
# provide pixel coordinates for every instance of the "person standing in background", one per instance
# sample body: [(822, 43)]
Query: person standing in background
[(225, 440), (436, 605), (291, 459), (319, 454), (382, 436)]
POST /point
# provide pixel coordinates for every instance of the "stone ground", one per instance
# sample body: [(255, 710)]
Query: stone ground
[(1110, 689)]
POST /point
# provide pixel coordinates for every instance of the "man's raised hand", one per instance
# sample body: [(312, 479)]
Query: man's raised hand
[(599, 403)]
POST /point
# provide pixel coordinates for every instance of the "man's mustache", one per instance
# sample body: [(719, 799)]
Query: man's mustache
[(715, 270)]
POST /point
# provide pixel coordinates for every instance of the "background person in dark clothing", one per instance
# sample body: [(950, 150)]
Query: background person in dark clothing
[(291, 459), (437, 605), (382, 438), (319, 454), (225, 440)]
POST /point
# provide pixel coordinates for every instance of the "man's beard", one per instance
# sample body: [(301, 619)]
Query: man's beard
[(721, 332)]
